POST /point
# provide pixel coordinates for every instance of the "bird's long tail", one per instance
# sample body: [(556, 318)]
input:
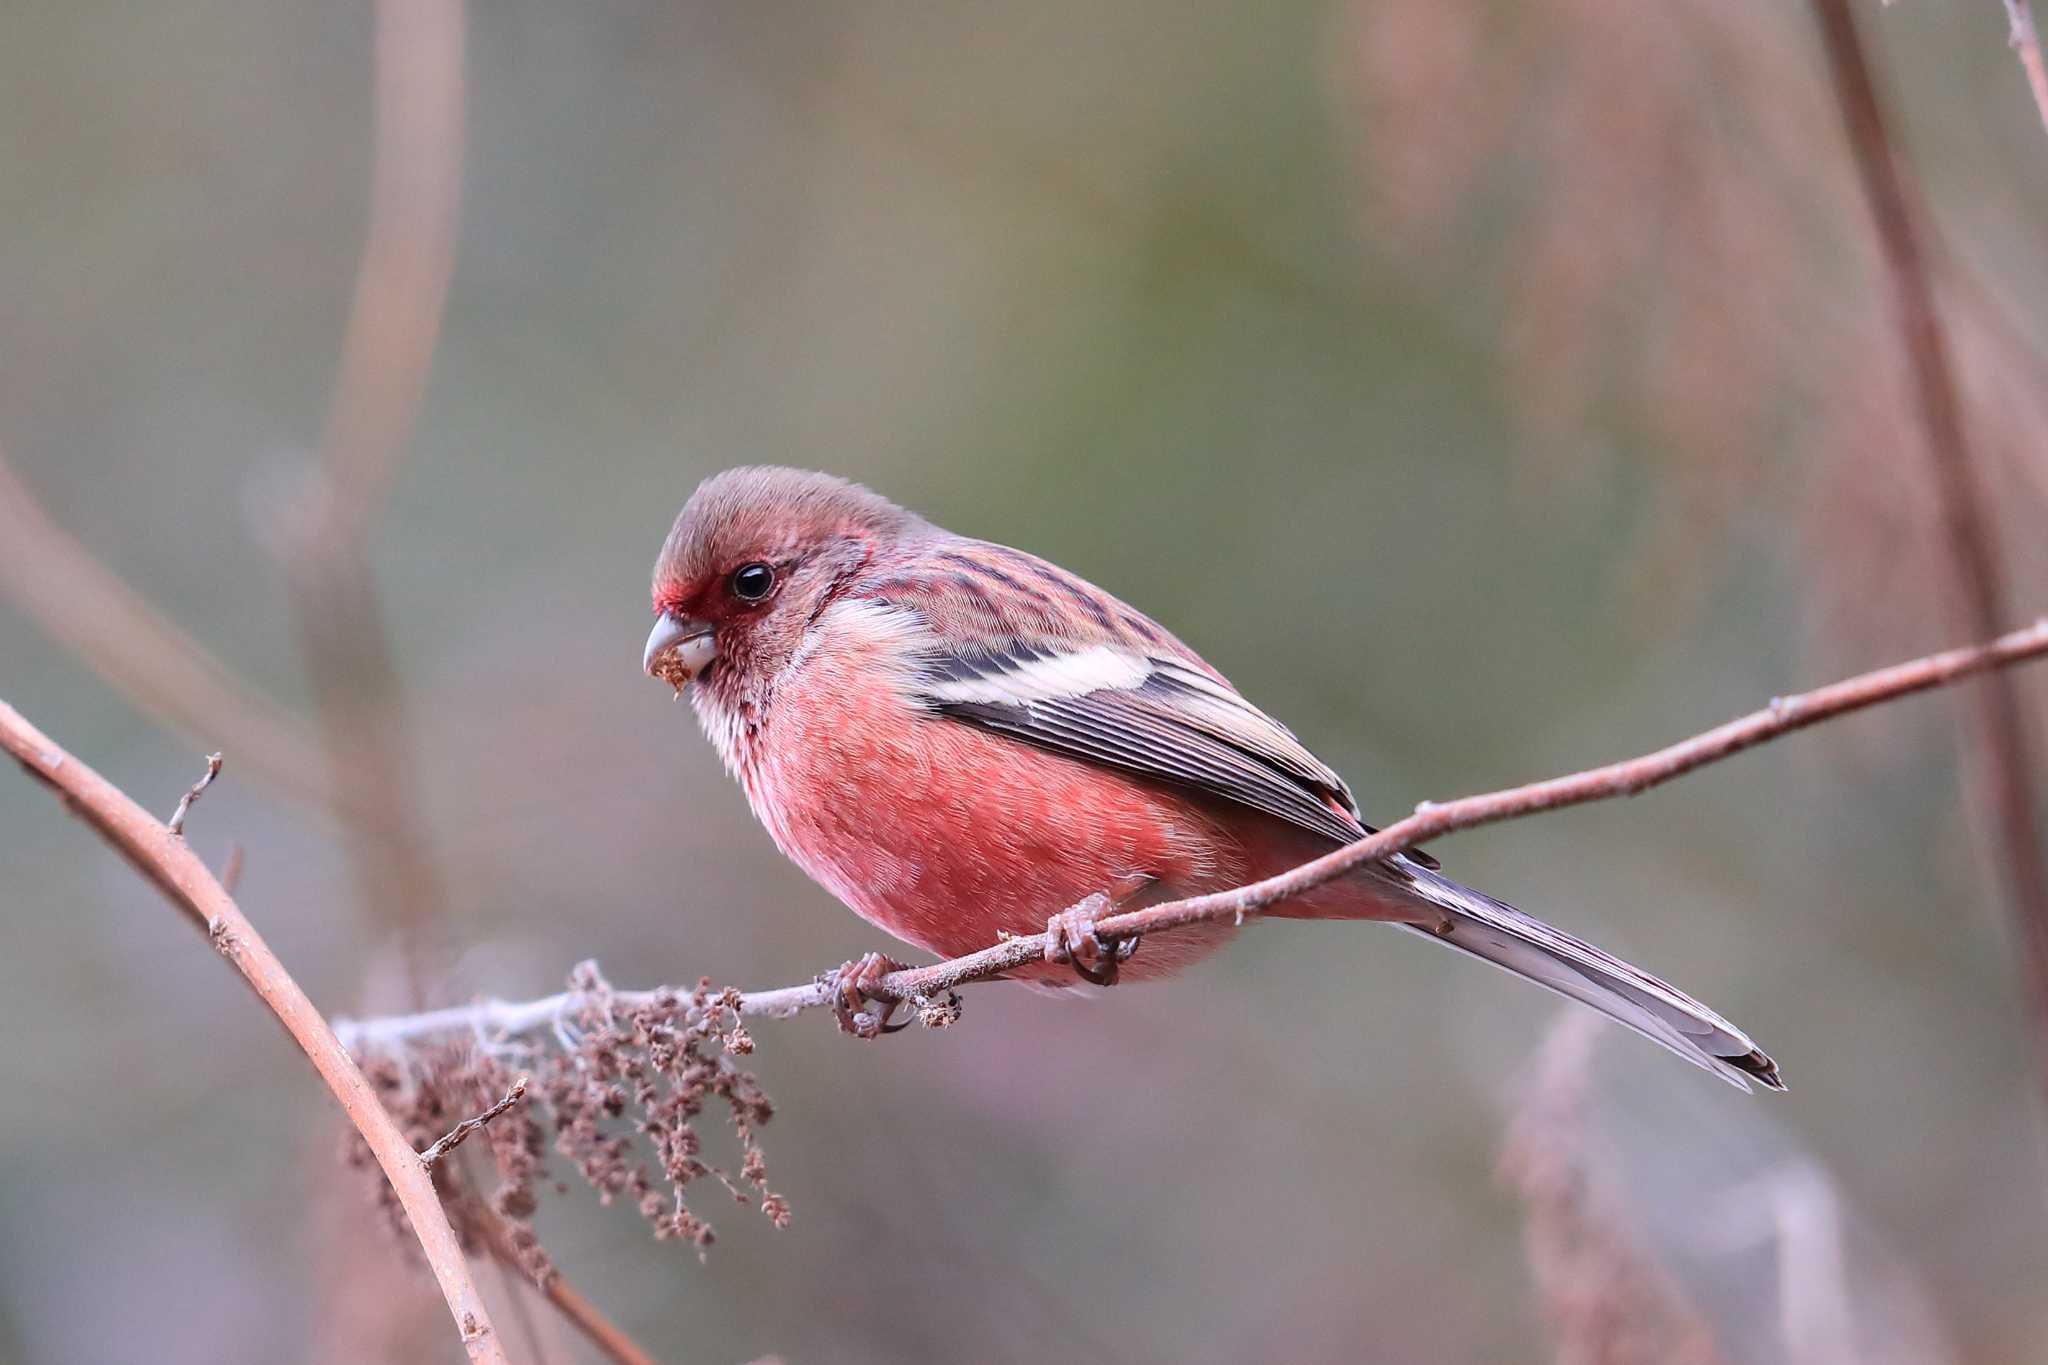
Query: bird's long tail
[(1527, 947)]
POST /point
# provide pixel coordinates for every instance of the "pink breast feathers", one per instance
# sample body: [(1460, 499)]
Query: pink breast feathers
[(942, 834)]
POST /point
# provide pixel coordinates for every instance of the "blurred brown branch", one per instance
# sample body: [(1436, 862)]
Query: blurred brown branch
[(395, 318), (1607, 1299), (2026, 42), (164, 860), (408, 256), (2001, 752), (394, 323), (927, 986), (1624, 203), (65, 589)]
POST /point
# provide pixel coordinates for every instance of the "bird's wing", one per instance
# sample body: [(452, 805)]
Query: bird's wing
[(1023, 649)]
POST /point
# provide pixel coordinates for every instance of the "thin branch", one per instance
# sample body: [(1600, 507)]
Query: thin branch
[(408, 257), (459, 1134), (394, 321), (2026, 42), (168, 864), (176, 824), (2000, 753), (497, 1018), (1896, 213)]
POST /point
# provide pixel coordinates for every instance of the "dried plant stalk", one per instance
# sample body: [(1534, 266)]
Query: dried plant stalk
[(164, 860)]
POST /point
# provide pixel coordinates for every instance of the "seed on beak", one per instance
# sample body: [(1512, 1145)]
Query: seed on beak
[(679, 649)]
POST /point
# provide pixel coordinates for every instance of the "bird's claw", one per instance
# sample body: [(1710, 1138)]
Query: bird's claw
[(1072, 939), (849, 986)]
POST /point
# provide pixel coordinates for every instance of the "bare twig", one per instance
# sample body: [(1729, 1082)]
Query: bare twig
[(2026, 42), (2001, 751), (176, 824), (457, 1135), (168, 864), (1430, 821)]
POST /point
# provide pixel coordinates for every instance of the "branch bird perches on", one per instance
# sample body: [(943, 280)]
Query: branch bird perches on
[(928, 987)]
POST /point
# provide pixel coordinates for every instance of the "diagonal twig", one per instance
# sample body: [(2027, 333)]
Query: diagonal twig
[(164, 859), (176, 824), (459, 1134)]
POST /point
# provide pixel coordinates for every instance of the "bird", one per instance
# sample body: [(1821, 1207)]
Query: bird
[(964, 742)]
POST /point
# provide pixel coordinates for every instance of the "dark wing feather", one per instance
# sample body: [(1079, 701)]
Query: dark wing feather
[(1174, 727), (1158, 711)]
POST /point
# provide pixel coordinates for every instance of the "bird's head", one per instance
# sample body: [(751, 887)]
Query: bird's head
[(752, 558)]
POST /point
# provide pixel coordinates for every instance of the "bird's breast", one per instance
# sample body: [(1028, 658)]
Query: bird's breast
[(944, 834), (947, 836), (731, 719)]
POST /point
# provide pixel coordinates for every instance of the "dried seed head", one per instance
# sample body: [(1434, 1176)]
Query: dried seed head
[(617, 1097)]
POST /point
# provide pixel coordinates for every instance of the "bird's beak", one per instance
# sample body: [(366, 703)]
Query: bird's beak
[(678, 649)]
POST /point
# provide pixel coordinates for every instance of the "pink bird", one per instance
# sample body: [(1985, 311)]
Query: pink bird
[(962, 741)]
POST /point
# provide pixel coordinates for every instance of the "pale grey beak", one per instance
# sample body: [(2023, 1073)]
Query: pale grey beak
[(678, 649)]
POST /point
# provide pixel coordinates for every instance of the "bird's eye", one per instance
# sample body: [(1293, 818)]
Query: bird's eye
[(752, 582)]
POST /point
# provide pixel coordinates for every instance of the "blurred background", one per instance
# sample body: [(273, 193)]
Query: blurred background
[(1490, 390)]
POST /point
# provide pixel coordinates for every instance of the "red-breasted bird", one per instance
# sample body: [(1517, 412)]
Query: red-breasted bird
[(961, 740)]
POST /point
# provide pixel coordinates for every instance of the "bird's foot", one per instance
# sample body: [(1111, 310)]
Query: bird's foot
[(852, 1004), (1072, 939)]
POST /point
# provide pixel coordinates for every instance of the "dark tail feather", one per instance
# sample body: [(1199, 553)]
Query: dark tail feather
[(1527, 947)]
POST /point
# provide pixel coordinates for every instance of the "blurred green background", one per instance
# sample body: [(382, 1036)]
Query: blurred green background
[(1489, 390)]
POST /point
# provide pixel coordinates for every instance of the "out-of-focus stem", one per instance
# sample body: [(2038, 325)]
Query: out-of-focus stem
[(2000, 755)]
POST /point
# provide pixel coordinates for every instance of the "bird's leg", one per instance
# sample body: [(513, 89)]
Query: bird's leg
[(1073, 940), (848, 987)]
